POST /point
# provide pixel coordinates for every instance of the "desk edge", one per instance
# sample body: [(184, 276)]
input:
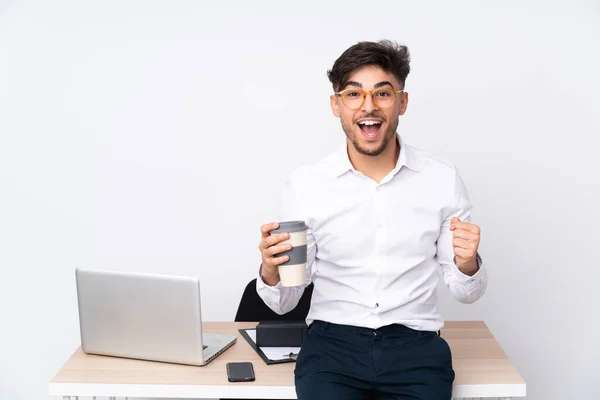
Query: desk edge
[(245, 391)]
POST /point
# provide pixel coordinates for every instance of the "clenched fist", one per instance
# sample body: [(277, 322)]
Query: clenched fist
[(465, 241)]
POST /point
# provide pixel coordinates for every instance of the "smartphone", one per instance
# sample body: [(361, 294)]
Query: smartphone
[(240, 372)]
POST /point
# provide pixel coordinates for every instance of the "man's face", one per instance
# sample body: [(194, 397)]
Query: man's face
[(370, 128)]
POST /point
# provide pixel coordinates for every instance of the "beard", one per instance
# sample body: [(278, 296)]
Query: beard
[(388, 135)]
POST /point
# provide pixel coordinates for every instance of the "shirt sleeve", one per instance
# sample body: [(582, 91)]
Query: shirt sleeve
[(284, 299), (464, 288)]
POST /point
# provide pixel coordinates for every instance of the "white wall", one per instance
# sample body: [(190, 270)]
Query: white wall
[(146, 136)]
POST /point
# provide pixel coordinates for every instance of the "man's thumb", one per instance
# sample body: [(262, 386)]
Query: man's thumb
[(453, 222)]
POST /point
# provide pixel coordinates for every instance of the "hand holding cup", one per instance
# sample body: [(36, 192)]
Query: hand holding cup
[(283, 250)]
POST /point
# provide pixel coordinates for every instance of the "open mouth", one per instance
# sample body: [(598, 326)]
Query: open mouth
[(370, 128)]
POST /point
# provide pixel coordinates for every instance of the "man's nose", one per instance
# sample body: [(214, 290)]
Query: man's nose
[(368, 104)]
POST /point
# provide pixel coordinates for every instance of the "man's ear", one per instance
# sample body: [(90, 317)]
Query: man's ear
[(335, 107), (404, 103)]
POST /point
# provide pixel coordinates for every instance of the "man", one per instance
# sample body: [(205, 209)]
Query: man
[(383, 218)]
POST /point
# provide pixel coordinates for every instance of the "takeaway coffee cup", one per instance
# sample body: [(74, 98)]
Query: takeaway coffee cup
[(293, 271)]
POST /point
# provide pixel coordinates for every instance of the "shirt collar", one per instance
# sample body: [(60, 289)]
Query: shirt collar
[(408, 158)]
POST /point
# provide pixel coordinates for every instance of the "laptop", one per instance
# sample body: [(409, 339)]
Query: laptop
[(145, 316)]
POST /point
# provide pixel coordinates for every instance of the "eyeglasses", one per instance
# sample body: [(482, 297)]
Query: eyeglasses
[(354, 98)]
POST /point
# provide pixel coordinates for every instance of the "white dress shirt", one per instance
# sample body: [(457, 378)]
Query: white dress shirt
[(376, 250)]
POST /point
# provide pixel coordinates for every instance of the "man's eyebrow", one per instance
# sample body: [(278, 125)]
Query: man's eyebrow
[(380, 84), (351, 83), (377, 85)]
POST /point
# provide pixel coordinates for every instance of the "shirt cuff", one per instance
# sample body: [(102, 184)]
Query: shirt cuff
[(469, 278), (263, 284)]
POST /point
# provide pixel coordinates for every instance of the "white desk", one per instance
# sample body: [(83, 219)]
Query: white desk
[(482, 371)]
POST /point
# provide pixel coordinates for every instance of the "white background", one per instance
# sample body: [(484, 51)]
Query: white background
[(154, 136)]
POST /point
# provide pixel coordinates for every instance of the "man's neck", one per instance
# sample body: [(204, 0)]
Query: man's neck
[(375, 167)]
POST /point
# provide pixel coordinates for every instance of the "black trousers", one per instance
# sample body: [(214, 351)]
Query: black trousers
[(392, 362)]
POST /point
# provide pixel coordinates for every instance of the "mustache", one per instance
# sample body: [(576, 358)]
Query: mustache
[(371, 115)]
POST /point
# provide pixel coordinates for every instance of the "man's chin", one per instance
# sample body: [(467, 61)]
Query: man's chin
[(371, 149)]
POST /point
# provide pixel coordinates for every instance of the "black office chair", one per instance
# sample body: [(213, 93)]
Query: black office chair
[(253, 309)]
